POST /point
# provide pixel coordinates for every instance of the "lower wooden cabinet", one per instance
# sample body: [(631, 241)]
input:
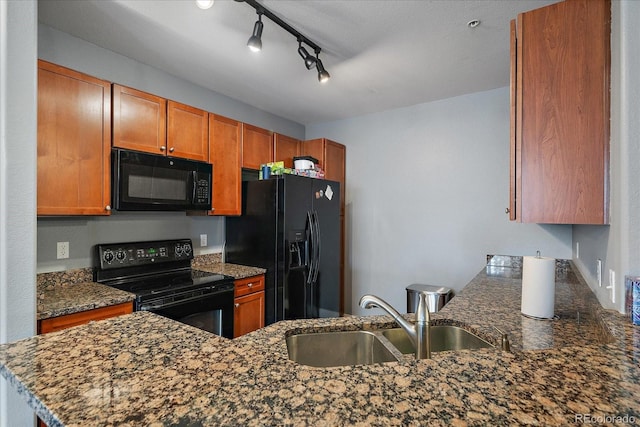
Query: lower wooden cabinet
[(249, 305), (67, 321)]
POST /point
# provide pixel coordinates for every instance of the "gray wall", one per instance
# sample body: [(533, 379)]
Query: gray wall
[(618, 245), (427, 187), (17, 189), (84, 232)]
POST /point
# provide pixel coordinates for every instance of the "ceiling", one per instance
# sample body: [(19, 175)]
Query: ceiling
[(381, 54)]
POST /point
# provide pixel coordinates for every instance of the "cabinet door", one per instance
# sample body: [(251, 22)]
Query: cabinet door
[(562, 113), (249, 313), (139, 120), (285, 149), (257, 146), (187, 132), (225, 139), (74, 135)]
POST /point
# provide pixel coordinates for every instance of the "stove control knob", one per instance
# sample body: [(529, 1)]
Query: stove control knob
[(187, 248), (107, 256), (178, 250), (121, 255)]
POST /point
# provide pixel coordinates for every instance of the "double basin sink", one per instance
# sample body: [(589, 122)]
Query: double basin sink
[(344, 348)]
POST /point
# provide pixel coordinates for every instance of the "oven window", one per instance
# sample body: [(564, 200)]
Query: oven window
[(213, 313), (209, 321), (146, 182)]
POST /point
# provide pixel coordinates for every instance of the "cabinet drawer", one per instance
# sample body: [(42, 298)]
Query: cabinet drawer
[(67, 321), (249, 285)]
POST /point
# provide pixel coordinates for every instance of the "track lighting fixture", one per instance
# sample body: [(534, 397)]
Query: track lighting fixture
[(204, 4), (309, 60), (323, 75), (255, 42)]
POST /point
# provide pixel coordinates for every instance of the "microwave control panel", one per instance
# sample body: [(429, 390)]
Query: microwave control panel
[(203, 194), (119, 255)]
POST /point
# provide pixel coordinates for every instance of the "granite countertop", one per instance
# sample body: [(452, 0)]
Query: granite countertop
[(78, 297), (234, 270), (73, 291), (143, 369)]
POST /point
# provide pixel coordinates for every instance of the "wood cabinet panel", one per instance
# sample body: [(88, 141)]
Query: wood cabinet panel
[(248, 285), (187, 132), (257, 146), (285, 149), (139, 120), (562, 113), (225, 145), (67, 321), (74, 138), (249, 313), (249, 305)]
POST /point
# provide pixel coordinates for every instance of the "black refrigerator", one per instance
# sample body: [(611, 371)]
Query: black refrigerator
[(290, 225)]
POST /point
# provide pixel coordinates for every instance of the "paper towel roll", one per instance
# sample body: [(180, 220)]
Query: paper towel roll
[(538, 287)]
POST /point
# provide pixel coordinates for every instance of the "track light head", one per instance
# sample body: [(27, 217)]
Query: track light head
[(255, 41), (309, 60), (323, 75)]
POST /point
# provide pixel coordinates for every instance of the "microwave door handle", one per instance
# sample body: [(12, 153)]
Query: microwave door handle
[(194, 176)]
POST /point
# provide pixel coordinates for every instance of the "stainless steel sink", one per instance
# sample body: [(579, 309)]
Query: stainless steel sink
[(443, 338), (341, 348)]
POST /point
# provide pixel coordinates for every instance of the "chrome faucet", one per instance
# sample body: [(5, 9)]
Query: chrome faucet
[(419, 332)]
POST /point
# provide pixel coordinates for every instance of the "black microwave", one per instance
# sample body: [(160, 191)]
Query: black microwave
[(150, 182)]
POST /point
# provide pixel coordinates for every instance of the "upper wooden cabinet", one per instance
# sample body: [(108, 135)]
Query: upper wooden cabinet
[(285, 149), (74, 137), (225, 144), (139, 120), (257, 146), (560, 67), (187, 132), (331, 156), (149, 123)]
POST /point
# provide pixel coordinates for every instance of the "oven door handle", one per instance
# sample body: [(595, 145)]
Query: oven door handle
[(143, 306)]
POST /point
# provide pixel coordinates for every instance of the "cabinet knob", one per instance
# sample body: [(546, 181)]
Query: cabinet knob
[(250, 285), (163, 148), (507, 210), (171, 150), (237, 305), (107, 208)]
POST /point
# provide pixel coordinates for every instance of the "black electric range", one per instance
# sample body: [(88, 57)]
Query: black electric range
[(159, 273)]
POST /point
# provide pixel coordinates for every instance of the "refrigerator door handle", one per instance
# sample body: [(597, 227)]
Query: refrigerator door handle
[(312, 247), (317, 244)]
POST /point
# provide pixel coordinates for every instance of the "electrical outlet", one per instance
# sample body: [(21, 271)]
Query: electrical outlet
[(203, 240), (63, 250), (612, 285), (577, 249), (599, 272)]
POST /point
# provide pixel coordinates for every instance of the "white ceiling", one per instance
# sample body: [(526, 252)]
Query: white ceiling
[(382, 54)]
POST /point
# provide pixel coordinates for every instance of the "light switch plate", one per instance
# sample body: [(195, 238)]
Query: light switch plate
[(203, 240)]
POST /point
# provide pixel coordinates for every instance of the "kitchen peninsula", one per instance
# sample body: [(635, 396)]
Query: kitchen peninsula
[(143, 369)]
